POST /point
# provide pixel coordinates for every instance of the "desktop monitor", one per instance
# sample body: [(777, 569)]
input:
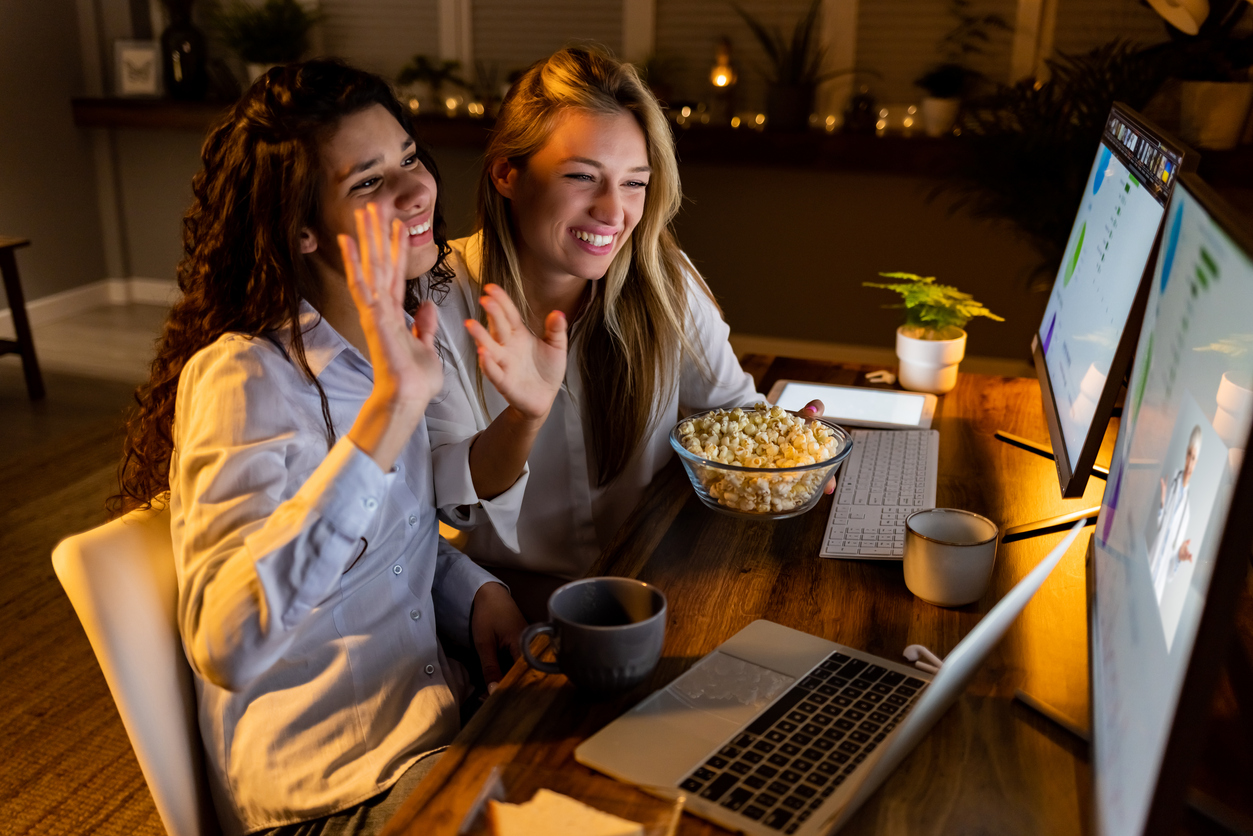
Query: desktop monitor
[(1172, 541), (1084, 343)]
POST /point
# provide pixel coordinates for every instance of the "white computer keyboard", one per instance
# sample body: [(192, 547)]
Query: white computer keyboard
[(889, 475)]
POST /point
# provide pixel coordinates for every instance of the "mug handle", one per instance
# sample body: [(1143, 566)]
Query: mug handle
[(528, 635)]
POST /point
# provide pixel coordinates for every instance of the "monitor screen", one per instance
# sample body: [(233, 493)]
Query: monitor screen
[(1180, 447), (1101, 272)]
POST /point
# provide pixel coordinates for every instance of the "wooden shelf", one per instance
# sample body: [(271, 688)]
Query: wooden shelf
[(915, 155)]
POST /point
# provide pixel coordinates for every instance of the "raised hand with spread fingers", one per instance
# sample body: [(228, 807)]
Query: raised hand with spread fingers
[(407, 368), (527, 371)]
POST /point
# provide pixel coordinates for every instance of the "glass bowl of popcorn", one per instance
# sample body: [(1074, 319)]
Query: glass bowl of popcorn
[(759, 461)]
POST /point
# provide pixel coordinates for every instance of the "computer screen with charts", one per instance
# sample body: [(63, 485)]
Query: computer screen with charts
[(1172, 541), (1093, 315)]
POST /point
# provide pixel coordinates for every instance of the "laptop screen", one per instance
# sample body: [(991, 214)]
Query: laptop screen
[(1180, 447), (1101, 271)]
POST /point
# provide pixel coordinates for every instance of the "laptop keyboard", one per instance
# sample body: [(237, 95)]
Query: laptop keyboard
[(795, 754), (889, 475)]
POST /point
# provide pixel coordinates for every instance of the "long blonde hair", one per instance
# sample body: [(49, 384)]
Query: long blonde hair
[(633, 334)]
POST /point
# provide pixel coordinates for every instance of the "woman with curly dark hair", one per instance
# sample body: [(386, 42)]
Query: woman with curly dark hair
[(283, 423)]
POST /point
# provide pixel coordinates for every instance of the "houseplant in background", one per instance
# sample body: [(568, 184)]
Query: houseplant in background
[(1213, 65), (276, 32), (952, 80), (932, 342), (429, 77), (795, 68)]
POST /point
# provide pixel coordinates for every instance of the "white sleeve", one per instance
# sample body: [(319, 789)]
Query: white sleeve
[(721, 383), (250, 567), (453, 421)]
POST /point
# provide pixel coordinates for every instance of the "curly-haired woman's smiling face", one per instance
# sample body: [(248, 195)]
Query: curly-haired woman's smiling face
[(368, 158)]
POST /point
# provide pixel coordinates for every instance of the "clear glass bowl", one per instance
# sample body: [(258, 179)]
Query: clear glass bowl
[(794, 490)]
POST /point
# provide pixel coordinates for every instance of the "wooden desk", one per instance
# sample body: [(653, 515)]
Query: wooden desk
[(990, 765)]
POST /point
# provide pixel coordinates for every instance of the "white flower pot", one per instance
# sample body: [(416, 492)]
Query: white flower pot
[(929, 365), (939, 115), (1212, 113)]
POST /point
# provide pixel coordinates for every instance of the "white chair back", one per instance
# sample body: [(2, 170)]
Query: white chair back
[(120, 578)]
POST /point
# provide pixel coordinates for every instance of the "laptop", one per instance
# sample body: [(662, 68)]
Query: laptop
[(778, 731)]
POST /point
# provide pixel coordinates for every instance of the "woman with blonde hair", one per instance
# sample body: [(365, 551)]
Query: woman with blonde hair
[(576, 332)]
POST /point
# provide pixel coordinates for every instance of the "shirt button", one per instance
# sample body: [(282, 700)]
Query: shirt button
[(413, 520), (415, 614), (397, 569), (370, 503), (430, 669)]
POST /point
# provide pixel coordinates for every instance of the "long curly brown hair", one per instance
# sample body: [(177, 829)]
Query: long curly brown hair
[(242, 270)]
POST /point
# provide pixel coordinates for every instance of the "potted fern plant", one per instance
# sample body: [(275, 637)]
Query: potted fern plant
[(795, 68), (932, 342), (266, 35), (952, 80)]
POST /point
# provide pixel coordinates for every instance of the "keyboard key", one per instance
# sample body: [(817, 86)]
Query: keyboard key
[(751, 757), (754, 781), (780, 760), (785, 726), (796, 717), (767, 800), (892, 678), (853, 692), (827, 768), (802, 739), (753, 812), (763, 746), (737, 799), (776, 735), (691, 785), (858, 737), (744, 741), (730, 752), (777, 819), (914, 683), (807, 707), (780, 707), (845, 724), (793, 801), (850, 748), (778, 788), (835, 732), (863, 705), (879, 716), (805, 791), (816, 778), (703, 774), (853, 714), (767, 771), (883, 689), (830, 709), (824, 744), (812, 754), (719, 786), (789, 776), (822, 720), (868, 727), (716, 762), (802, 766), (872, 697), (741, 768)]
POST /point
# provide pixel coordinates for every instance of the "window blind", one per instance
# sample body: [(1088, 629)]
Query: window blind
[(380, 35), (513, 34)]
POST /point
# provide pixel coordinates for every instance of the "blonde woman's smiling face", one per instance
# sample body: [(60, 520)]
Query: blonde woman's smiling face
[(578, 198)]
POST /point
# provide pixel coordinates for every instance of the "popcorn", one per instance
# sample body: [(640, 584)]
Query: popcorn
[(762, 437)]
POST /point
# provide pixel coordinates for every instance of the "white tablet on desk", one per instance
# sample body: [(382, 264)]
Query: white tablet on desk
[(859, 406)]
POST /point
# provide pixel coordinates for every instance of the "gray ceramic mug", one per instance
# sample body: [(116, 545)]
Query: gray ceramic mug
[(608, 633)]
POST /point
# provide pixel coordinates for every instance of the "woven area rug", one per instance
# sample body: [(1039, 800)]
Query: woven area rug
[(68, 767)]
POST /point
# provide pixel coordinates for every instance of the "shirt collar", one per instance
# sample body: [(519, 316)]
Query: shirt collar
[(322, 343)]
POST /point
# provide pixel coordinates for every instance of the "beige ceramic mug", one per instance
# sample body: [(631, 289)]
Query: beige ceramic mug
[(949, 554)]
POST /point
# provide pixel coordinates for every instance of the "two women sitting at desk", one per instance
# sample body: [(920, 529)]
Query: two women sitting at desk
[(306, 426)]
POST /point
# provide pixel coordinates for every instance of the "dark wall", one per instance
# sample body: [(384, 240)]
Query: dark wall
[(47, 180)]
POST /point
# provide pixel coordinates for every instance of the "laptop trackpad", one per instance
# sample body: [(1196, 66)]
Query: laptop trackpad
[(660, 740)]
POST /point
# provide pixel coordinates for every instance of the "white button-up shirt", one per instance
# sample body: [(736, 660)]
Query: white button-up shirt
[(555, 518), (310, 583)]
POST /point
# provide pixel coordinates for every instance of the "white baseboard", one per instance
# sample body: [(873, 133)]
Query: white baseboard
[(67, 303)]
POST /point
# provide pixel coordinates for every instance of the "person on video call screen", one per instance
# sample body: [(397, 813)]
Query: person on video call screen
[(1170, 548)]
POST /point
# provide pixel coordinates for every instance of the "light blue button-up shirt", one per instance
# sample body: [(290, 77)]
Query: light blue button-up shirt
[(310, 583)]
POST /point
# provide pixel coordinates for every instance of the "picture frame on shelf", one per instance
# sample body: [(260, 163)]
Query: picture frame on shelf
[(136, 68)]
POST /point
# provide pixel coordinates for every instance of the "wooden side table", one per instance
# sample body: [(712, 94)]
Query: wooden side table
[(23, 345)]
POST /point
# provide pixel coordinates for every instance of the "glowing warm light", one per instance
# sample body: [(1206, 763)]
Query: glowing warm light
[(831, 121), (735, 121), (883, 114), (912, 110), (413, 105), (722, 74), (686, 111), (881, 124), (704, 118), (451, 104), (760, 119), (909, 122)]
